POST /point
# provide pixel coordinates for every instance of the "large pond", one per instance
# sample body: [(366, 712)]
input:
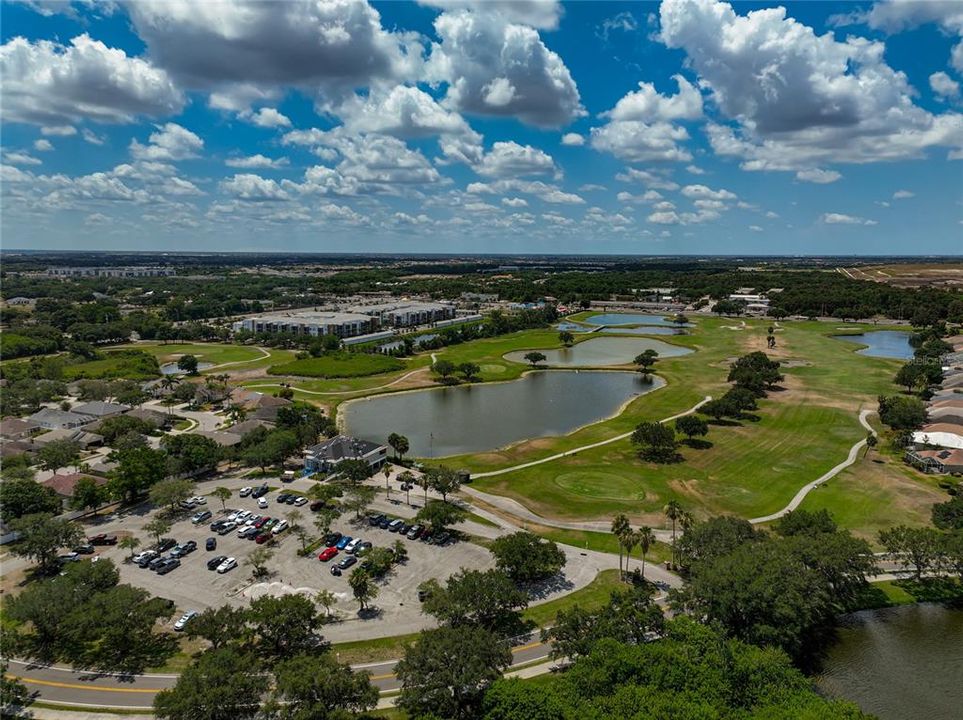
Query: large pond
[(882, 344), (601, 352), (898, 663), (628, 319), (477, 418), (172, 369)]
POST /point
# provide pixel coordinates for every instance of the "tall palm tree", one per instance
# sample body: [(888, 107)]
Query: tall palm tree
[(425, 482), (387, 473), (672, 510), (686, 521), (620, 525), (169, 382), (644, 538), (629, 541)]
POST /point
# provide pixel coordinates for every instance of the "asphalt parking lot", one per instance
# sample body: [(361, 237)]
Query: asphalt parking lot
[(193, 587)]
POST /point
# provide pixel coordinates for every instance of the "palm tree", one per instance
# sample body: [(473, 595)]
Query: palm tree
[(686, 521), (620, 525), (236, 413), (644, 538), (425, 482), (169, 382), (387, 473), (672, 510), (129, 543), (629, 541), (407, 479)]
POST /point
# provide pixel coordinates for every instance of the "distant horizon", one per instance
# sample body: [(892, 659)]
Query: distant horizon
[(672, 128)]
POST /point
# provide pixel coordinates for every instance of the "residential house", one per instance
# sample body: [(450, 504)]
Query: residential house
[(941, 435), (100, 409), (325, 457), (17, 429), (936, 461), (154, 417), (54, 419), (224, 439), (64, 485), (85, 439), (946, 415)]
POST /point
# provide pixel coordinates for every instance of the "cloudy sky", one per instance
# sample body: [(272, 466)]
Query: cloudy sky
[(686, 126)]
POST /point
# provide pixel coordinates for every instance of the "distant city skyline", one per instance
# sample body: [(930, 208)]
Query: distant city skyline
[(452, 127)]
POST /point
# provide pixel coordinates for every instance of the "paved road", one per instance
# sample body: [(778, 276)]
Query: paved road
[(65, 686)]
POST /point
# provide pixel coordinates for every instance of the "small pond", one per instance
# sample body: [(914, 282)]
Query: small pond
[(628, 319), (898, 663), (644, 330), (478, 418), (172, 369), (573, 327), (882, 344), (602, 352)]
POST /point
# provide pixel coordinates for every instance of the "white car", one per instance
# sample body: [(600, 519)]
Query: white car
[(245, 491), (243, 516), (227, 565), (184, 619), (262, 502), (352, 546), (234, 515), (198, 500), (301, 501), (280, 527)]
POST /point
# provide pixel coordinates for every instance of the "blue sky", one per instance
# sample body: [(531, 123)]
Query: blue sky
[(686, 126)]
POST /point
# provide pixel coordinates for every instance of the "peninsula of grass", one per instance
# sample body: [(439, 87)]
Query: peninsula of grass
[(339, 365)]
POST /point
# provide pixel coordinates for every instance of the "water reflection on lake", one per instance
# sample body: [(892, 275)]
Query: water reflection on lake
[(602, 352), (899, 663), (882, 343), (477, 418)]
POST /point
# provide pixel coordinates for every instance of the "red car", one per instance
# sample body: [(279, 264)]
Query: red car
[(263, 538), (327, 554), (261, 523)]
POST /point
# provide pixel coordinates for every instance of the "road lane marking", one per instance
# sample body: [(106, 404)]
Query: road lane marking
[(75, 686)]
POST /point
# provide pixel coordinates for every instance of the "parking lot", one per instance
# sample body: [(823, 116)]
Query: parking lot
[(193, 587)]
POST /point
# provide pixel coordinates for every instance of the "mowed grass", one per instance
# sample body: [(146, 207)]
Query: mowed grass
[(591, 597), (339, 365), (216, 353), (114, 364), (875, 494), (751, 469)]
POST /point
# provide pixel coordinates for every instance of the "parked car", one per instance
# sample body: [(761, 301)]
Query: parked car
[(168, 565), (374, 520), (259, 492), (362, 548), (211, 544), (345, 563), (415, 532), (245, 491), (395, 525), (198, 500), (250, 532), (404, 529), (343, 542), (217, 525), (157, 562), (331, 539), (327, 554), (262, 503), (200, 517), (227, 527), (242, 517), (291, 499), (229, 564), (187, 504), (69, 557), (166, 544), (262, 522), (215, 561), (280, 527), (270, 524), (143, 558), (282, 497), (317, 505), (352, 546), (86, 549), (184, 549), (443, 538), (184, 619), (263, 538), (426, 536), (300, 500), (384, 522), (103, 539), (288, 476)]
